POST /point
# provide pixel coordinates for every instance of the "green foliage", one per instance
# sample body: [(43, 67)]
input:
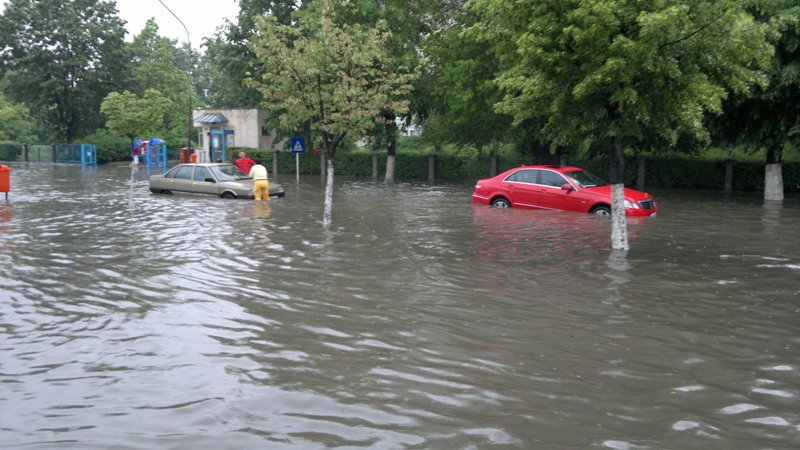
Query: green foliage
[(61, 58), (17, 123), (336, 78), (619, 69), (159, 78), (10, 151), (462, 88), (110, 147), (132, 117), (770, 120)]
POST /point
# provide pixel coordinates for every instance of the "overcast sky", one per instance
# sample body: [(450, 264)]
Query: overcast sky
[(201, 17)]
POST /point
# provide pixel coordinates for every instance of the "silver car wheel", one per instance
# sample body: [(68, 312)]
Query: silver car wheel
[(501, 202)]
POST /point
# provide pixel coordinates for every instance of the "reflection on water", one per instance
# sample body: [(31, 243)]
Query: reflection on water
[(417, 320)]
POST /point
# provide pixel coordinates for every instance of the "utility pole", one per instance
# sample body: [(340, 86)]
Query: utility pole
[(189, 44)]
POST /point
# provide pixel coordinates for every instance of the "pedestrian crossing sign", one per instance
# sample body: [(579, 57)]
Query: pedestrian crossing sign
[(298, 145)]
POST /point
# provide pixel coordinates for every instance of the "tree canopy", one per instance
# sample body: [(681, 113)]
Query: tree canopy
[(336, 78), (620, 69), (61, 58), (770, 119), (158, 89)]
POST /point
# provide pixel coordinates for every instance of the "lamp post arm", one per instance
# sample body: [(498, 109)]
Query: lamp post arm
[(189, 72)]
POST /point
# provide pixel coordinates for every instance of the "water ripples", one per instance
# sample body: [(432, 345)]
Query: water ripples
[(132, 320)]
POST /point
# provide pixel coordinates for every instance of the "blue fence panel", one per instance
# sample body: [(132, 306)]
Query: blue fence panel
[(156, 156), (83, 154)]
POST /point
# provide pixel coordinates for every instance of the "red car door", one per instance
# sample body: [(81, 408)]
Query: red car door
[(556, 198), (523, 190)]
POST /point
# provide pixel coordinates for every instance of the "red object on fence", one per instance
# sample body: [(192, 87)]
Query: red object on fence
[(5, 179), (183, 155)]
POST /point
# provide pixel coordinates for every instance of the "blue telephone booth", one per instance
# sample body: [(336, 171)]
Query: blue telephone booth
[(220, 141)]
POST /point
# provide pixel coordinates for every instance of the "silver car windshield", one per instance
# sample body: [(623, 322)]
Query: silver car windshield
[(585, 179), (228, 173)]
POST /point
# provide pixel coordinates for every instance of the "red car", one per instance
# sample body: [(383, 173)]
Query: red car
[(557, 188)]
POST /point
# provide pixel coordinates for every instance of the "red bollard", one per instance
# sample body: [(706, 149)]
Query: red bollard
[(5, 179)]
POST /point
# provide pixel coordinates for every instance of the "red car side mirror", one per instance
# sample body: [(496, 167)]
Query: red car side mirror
[(567, 187)]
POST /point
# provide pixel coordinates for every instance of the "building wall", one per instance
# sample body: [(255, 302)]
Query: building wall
[(247, 125)]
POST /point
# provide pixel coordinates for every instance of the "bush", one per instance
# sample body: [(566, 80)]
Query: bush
[(662, 171), (10, 151), (109, 147)]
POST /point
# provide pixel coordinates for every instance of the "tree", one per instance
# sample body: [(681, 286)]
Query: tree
[(616, 70), (334, 78), (230, 57), (159, 65), (770, 119), (61, 58), (130, 116), (461, 75), (18, 125)]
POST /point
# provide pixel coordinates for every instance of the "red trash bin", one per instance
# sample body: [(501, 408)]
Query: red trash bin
[(183, 155), (5, 179)]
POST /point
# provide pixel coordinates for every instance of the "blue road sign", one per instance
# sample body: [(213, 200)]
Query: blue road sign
[(298, 145)]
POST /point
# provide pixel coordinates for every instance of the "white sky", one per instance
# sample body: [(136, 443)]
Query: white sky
[(201, 17)]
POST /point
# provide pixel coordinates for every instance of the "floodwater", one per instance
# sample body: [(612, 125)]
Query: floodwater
[(415, 321)]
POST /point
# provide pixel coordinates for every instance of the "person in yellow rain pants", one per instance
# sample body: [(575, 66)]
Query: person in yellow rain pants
[(261, 184)]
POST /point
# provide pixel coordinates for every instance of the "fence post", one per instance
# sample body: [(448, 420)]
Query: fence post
[(274, 163), (52, 153), (729, 176), (640, 179), (431, 168), (25, 152), (322, 164), (494, 162)]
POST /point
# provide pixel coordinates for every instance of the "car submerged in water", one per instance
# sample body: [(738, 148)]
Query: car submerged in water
[(559, 189), (221, 179)]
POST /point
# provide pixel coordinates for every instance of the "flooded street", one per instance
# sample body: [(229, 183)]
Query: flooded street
[(416, 321)]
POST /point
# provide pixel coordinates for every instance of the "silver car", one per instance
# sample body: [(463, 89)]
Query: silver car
[(221, 179)]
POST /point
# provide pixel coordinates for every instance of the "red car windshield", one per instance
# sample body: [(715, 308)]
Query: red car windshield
[(584, 179)]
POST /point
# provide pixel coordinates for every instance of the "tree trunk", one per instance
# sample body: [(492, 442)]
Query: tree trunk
[(642, 173), (391, 151), (274, 163), (431, 168), (328, 208), (375, 166), (773, 182), (389, 179), (619, 223)]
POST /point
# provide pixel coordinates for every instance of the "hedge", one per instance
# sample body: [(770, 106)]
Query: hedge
[(662, 171)]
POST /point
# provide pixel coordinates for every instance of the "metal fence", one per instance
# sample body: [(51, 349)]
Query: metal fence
[(83, 154)]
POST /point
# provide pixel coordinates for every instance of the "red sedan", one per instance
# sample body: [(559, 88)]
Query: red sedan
[(557, 188)]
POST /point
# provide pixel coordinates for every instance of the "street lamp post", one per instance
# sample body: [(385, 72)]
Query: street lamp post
[(189, 44)]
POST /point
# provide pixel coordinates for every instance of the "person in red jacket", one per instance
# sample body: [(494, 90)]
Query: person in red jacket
[(244, 163)]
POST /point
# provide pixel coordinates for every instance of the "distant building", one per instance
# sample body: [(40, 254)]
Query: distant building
[(408, 129), (221, 129)]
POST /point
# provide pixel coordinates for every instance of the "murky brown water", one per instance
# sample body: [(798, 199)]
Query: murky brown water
[(417, 321)]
